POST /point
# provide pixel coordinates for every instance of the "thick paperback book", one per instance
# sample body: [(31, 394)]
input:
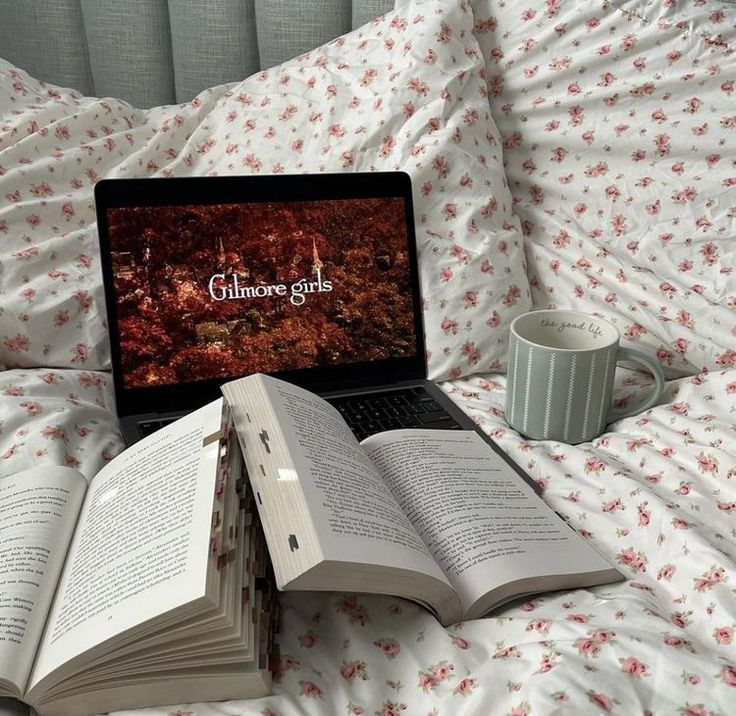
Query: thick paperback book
[(436, 516)]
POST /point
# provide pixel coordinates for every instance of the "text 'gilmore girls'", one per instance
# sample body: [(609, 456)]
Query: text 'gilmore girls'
[(222, 287)]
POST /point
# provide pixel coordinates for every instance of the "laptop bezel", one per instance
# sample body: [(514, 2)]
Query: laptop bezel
[(183, 191)]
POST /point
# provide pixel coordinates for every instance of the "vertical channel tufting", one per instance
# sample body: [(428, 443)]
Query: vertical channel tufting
[(47, 40), (365, 10), (287, 28), (130, 50), (212, 43), (152, 52)]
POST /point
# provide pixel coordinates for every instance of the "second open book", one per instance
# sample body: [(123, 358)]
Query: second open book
[(435, 516)]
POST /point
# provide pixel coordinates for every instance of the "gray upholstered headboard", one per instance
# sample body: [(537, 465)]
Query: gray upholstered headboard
[(152, 52)]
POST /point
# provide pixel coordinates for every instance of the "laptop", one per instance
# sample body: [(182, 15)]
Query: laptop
[(310, 278)]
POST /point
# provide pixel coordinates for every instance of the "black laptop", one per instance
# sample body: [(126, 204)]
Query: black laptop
[(311, 278)]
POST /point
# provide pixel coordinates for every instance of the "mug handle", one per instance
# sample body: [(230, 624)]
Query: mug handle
[(654, 368)]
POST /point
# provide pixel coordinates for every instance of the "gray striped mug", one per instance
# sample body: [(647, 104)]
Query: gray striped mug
[(560, 375)]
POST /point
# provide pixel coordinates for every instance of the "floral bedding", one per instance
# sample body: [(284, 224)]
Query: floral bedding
[(618, 122), (608, 127)]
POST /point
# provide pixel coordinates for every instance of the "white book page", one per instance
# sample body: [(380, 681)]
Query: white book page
[(38, 511), (484, 525), (141, 548), (355, 515)]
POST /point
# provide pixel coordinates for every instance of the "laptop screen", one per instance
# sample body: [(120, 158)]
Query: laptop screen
[(213, 291)]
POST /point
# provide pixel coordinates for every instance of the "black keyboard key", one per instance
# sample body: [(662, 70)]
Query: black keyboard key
[(432, 406), (415, 408), (431, 420), (149, 426), (405, 408), (409, 421), (445, 425)]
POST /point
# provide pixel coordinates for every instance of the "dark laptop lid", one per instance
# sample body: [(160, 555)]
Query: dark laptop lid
[(309, 277)]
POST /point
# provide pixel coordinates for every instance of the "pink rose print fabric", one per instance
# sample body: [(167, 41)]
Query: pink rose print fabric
[(615, 121), (404, 93), (57, 417), (656, 495), (618, 122), (54, 146)]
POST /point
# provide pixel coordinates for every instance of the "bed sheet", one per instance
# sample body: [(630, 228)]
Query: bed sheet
[(57, 417), (656, 494), (618, 123)]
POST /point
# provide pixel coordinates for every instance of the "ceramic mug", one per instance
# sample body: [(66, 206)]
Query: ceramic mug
[(560, 375)]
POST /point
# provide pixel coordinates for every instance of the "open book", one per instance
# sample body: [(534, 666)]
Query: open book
[(435, 516), (141, 588)]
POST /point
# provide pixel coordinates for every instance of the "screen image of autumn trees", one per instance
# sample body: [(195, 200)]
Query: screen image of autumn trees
[(173, 330)]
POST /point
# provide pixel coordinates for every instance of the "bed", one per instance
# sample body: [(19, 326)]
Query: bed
[(563, 155)]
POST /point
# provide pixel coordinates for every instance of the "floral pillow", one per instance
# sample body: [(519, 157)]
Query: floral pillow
[(618, 123), (54, 146), (405, 92)]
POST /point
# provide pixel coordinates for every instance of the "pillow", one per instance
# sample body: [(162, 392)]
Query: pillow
[(405, 92), (54, 145), (618, 124)]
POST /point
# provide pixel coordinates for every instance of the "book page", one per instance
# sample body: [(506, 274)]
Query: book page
[(38, 511), (141, 546), (484, 525), (355, 517)]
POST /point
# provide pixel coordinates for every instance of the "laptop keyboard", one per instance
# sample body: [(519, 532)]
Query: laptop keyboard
[(151, 426), (369, 414), (405, 408)]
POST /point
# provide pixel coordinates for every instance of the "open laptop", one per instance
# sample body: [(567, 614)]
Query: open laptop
[(311, 278)]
